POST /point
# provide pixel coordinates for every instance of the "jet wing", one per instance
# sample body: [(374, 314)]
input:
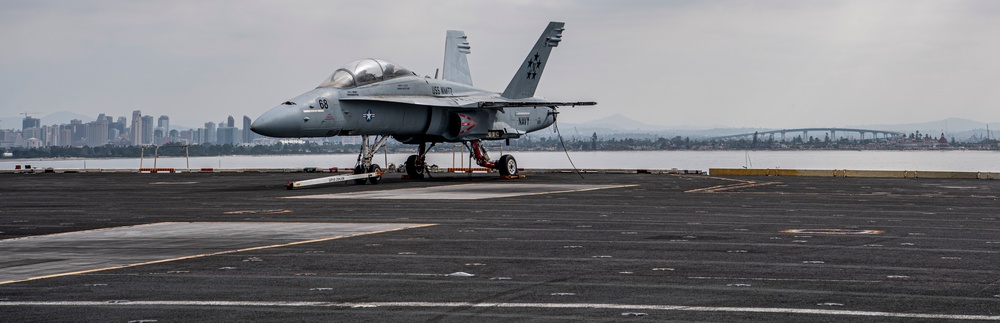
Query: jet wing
[(444, 102), (515, 104), (464, 102)]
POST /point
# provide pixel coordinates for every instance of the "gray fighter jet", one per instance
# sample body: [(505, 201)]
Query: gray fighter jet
[(378, 99)]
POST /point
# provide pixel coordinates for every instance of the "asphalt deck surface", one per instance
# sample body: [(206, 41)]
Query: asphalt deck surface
[(610, 247)]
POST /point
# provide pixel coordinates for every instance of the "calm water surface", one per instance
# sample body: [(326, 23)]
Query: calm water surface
[(985, 161)]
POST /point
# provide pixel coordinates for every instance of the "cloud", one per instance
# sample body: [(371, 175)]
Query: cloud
[(738, 63)]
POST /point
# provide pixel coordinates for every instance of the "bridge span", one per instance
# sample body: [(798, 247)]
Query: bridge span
[(886, 135)]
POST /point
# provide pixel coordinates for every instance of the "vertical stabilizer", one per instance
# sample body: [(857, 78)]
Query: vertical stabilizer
[(526, 79), (456, 65)]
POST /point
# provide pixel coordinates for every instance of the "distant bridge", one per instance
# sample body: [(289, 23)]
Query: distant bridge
[(832, 131)]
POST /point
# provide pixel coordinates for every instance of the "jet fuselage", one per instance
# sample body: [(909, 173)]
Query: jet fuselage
[(412, 109)]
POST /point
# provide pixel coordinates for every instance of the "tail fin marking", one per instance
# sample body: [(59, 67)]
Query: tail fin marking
[(525, 81)]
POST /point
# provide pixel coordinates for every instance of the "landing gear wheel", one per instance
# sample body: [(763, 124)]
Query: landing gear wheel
[(374, 169), (413, 170), (507, 165), (359, 170)]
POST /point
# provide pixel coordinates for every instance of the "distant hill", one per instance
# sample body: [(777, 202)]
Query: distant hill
[(950, 125), (63, 117), (957, 128)]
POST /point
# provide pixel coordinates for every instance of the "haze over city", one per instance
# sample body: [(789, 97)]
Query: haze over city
[(672, 63)]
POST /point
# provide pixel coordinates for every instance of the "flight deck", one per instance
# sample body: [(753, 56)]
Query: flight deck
[(605, 247)]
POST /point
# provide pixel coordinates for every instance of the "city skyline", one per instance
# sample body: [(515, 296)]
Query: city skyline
[(124, 131), (139, 130)]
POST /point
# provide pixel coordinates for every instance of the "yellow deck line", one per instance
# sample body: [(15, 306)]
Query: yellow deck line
[(725, 187)]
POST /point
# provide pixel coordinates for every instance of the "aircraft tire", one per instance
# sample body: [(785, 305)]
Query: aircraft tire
[(374, 168), (359, 170), (412, 170), (507, 165)]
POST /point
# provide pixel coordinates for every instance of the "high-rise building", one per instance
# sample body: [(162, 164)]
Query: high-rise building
[(187, 136), (116, 137), (228, 136), (174, 136), (65, 136), (78, 132), (97, 132), (162, 133), (247, 135), (164, 122), (159, 138), (33, 132), (147, 130), (47, 135), (230, 122), (135, 131), (30, 122), (210, 135), (117, 128)]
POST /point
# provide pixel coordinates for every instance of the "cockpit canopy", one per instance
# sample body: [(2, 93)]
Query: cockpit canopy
[(364, 71)]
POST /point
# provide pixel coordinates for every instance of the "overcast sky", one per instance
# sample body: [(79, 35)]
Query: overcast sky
[(777, 64)]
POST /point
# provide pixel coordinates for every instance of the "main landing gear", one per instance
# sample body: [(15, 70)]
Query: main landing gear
[(416, 165), (364, 164), (507, 166)]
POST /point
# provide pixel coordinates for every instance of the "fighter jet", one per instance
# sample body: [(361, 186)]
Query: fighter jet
[(378, 99)]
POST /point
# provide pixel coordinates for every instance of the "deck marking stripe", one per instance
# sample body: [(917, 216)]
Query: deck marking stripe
[(585, 189), (363, 305), (448, 192), (362, 193), (213, 253), (740, 184)]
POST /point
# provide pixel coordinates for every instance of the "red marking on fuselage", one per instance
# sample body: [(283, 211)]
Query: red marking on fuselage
[(468, 124)]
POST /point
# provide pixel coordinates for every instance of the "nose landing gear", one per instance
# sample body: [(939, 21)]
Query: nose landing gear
[(364, 164)]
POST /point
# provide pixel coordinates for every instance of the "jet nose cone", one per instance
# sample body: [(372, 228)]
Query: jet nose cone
[(279, 122)]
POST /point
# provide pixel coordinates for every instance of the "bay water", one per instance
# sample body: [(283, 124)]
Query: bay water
[(947, 160)]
